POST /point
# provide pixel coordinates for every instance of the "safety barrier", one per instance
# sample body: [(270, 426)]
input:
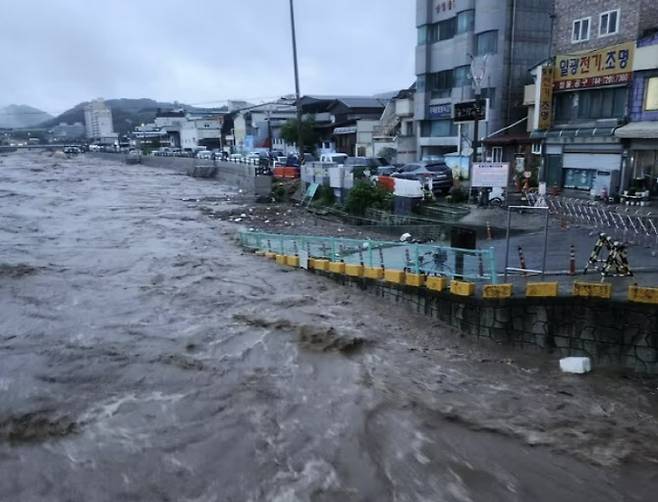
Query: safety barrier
[(403, 264), (636, 227), (476, 265)]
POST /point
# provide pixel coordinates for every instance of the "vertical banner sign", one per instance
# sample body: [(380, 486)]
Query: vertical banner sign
[(545, 97)]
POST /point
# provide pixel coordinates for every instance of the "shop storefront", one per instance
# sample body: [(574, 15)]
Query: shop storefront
[(590, 91), (645, 167), (643, 155)]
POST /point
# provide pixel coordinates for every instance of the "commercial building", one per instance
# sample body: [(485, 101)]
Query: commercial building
[(640, 135), (584, 94), (495, 41), (98, 122)]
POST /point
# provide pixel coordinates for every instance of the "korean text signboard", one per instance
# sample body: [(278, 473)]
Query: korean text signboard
[(490, 174), (442, 111), (545, 97), (469, 111), (608, 66)]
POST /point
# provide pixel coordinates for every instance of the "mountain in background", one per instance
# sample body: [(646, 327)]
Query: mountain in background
[(126, 113), (18, 116)]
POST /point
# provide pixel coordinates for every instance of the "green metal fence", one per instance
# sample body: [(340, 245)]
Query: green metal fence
[(470, 264)]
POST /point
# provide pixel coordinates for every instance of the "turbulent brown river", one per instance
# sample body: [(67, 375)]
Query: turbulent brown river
[(145, 357)]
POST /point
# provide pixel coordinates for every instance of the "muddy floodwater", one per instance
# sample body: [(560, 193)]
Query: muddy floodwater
[(145, 357)]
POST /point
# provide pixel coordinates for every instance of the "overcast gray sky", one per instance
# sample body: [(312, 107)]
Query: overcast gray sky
[(56, 53)]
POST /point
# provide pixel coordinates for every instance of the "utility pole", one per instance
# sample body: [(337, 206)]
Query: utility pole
[(300, 142)]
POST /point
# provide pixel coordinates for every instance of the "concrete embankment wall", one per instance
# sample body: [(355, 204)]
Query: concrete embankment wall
[(242, 176), (615, 334)]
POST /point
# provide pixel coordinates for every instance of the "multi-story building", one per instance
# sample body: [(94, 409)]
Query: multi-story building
[(396, 128), (582, 93), (347, 122), (499, 39), (640, 135), (259, 126), (98, 122), (190, 130)]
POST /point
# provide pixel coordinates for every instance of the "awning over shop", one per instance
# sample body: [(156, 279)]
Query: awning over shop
[(642, 130), (585, 132)]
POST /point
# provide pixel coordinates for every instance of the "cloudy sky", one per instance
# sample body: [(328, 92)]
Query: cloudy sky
[(57, 53)]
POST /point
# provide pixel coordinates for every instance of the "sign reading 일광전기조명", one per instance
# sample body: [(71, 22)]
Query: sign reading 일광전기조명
[(490, 174), (611, 65)]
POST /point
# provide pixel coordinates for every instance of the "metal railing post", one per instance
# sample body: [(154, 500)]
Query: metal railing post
[(417, 266), (492, 266), (509, 222)]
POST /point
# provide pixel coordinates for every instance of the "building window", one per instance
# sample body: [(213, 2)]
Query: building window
[(536, 149), (580, 31), (486, 43), (465, 21), (497, 154), (592, 104), (420, 83), (433, 33), (441, 83), (602, 103), (447, 28), (422, 35), (463, 76), (651, 98), (437, 128), (609, 23), (563, 107)]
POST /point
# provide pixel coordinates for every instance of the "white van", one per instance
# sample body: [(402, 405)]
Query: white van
[(336, 158)]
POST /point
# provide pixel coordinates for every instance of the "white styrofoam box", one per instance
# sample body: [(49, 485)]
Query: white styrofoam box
[(576, 364), (407, 188)]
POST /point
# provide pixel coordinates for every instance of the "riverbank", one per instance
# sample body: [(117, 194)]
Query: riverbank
[(146, 357)]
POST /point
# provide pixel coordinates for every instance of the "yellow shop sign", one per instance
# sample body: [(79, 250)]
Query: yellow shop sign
[(607, 66)]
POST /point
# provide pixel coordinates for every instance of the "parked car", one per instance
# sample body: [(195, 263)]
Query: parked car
[(204, 155), (371, 163), (438, 172)]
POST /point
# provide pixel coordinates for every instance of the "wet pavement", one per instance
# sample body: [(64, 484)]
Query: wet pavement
[(143, 356)]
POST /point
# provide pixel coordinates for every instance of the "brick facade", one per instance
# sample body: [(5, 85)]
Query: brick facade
[(634, 17), (648, 15)]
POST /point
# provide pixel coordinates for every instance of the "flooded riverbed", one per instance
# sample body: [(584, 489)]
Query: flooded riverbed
[(143, 356)]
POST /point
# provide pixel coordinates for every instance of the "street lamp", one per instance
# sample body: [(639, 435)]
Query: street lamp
[(300, 144)]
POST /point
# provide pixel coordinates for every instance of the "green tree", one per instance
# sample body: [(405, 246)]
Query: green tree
[(388, 153), (310, 136), (366, 194)]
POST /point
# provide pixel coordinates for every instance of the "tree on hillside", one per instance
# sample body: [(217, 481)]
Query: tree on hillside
[(310, 136)]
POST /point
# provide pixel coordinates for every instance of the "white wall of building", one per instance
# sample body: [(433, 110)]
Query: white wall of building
[(98, 120)]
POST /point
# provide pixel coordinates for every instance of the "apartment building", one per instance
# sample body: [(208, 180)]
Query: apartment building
[(98, 122), (500, 39)]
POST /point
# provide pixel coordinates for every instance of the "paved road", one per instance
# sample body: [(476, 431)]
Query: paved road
[(144, 357)]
